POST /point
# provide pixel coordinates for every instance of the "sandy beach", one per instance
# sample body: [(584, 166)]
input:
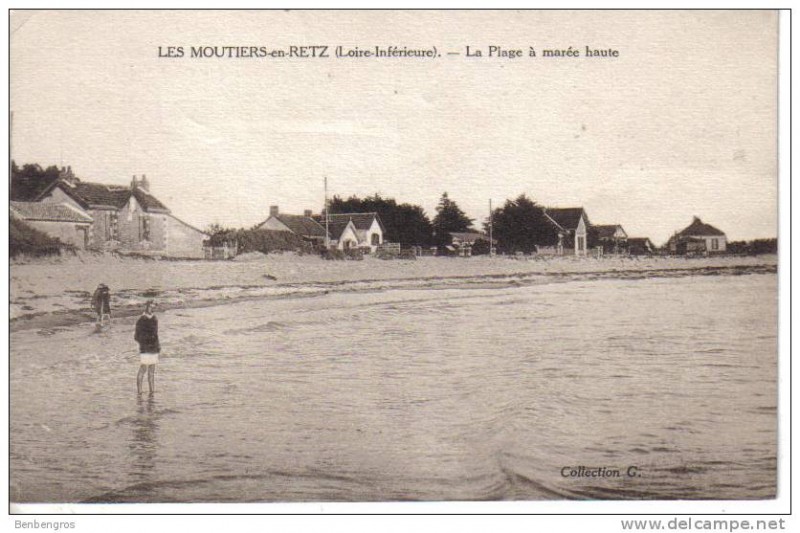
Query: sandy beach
[(56, 292)]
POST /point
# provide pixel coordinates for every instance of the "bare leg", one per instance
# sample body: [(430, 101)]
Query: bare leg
[(140, 378), (151, 377)]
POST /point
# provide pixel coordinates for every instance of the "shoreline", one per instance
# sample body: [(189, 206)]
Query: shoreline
[(72, 306)]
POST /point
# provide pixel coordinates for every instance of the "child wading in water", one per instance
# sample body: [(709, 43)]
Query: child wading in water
[(149, 347), (101, 303)]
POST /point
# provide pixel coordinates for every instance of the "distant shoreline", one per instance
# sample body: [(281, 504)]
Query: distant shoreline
[(45, 296)]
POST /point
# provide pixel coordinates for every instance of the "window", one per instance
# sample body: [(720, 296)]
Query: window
[(144, 228), (113, 226), (376, 239), (715, 244), (581, 245)]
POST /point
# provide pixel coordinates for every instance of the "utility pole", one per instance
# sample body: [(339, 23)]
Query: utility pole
[(327, 235), (491, 241)]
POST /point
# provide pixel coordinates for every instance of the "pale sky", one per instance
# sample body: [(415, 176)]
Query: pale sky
[(682, 123)]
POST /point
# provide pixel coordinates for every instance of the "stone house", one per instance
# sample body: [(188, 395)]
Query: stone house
[(127, 219)]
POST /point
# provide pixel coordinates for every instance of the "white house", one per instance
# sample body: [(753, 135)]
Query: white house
[(573, 226), (368, 227)]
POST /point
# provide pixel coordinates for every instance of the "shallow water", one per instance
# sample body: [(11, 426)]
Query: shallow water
[(464, 393)]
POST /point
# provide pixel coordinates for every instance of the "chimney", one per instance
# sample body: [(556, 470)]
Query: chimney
[(273, 210), (134, 183), (307, 213), (144, 184), (67, 175)]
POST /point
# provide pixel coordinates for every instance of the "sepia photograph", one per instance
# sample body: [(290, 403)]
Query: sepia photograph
[(382, 256)]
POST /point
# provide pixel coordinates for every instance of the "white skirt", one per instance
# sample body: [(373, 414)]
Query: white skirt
[(148, 358)]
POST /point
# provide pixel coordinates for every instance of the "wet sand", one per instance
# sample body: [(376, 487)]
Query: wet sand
[(57, 293)]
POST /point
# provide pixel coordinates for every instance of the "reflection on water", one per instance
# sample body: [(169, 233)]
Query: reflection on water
[(453, 394), (144, 439)]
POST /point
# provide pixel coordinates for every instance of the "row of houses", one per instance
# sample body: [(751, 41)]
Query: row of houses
[(109, 217), (344, 231), (575, 234)]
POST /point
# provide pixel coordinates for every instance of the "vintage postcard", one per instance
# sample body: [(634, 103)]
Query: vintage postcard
[(270, 257)]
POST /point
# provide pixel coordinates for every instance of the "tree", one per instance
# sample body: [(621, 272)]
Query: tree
[(404, 223), (449, 218), (520, 225), (30, 180)]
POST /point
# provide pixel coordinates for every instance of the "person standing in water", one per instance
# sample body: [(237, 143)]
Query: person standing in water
[(149, 348), (101, 303)]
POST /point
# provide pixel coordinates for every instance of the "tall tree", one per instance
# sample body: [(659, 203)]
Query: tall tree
[(449, 218), (520, 225)]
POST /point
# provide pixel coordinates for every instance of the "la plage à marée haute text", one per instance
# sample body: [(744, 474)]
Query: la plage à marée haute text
[(345, 52)]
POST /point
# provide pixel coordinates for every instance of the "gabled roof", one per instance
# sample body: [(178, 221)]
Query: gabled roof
[(362, 221), (49, 212), (301, 225), (639, 241), (148, 201), (336, 228), (567, 218), (100, 195), (699, 229), (607, 231)]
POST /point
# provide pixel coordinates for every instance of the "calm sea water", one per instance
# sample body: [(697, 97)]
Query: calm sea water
[(423, 394)]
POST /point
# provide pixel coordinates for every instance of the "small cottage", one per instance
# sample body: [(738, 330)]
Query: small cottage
[(698, 237), (369, 228), (303, 225), (610, 237), (640, 246)]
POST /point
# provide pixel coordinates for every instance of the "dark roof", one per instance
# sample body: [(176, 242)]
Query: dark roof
[(148, 201), (95, 194), (89, 194), (362, 221), (49, 212), (639, 241), (699, 228), (337, 227), (567, 217), (302, 225), (606, 231)]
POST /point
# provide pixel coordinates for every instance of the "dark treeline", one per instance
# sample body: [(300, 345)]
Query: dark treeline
[(519, 225), (754, 247)]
